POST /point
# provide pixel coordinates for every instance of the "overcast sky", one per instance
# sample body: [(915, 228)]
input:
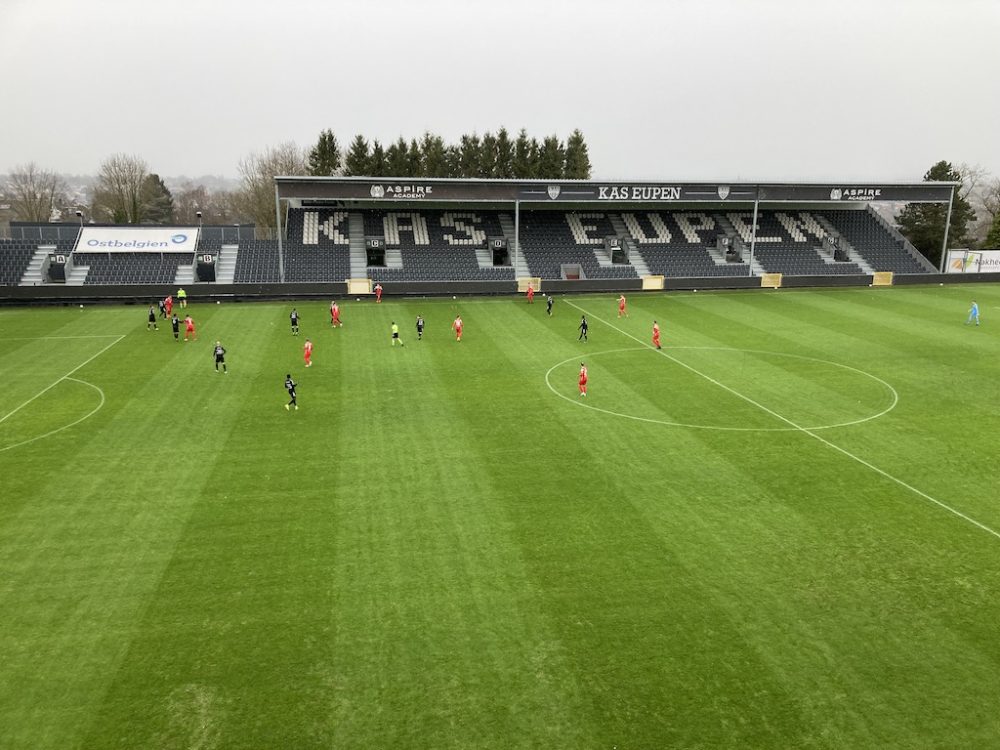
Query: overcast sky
[(716, 89)]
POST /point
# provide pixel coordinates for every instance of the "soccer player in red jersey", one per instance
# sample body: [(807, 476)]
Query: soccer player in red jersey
[(378, 293), (583, 379), (169, 304), (621, 306), (189, 329), (457, 325), (307, 353), (335, 315), (531, 294), (656, 335)]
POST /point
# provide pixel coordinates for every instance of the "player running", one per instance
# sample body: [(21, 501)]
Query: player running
[(175, 323), (189, 329), (457, 326), (169, 304), (583, 328), (548, 305), (378, 293), (420, 328), (290, 387), (220, 357), (583, 379), (656, 335), (294, 318), (973, 313), (395, 335), (163, 308), (531, 294), (621, 306), (151, 320), (307, 353), (335, 315)]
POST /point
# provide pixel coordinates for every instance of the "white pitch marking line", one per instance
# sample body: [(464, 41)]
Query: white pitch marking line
[(804, 430), (40, 338), (45, 390), (67, 426)]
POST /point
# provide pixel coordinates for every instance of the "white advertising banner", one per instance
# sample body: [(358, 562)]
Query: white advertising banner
[(137, 239), (973, 261)]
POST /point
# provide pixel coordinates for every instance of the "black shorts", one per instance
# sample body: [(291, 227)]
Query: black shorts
[(395, 335), (220, 358)]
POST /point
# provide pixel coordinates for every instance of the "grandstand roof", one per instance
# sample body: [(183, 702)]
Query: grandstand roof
[(410, 189)]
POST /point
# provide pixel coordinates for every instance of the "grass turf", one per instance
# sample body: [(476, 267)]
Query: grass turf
[(437, 550)]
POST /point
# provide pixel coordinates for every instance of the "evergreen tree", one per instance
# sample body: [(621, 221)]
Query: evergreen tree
[(434, 158), (157, 202), (488, 155), (356, 163), (415, 161), (923, 223), (992, 241), (533, 153), (522, 166), (397, 159), (324, 158), (377, 164), (577, 157), (452, 161), (551, 158), (504, 167), (468, 156)]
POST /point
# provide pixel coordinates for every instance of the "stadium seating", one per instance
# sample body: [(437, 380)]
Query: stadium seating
[(131, 268), (677, 244), (317, 245), (14, 258), (257, 262), (788, 242), (874, 242), (553, 239)]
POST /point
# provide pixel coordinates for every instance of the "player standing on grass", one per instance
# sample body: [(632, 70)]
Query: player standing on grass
[(307, 352), (583, 329), (548, 305), (621, 306), (290, 387), (182, 298), (163, 308), (335, 315), (175, 323), (395, 334), (189, 329), (169, 304), (378, 294), (220, 357), (457, 326), (294, 317), (420, 328), (973, 313), (583, 379), (656, 335), (151, 320), (531, 294)]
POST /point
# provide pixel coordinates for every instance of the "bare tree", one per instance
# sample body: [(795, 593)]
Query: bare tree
[(990, 195), (34, 192), (216, 207), (118, 193), (255, 197)]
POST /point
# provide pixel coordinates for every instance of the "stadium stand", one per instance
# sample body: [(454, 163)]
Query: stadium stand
[(437, 245), (790, 243), (317, 245), (132, 268), (257, 262), (874, 242), (14, 258), (680, 244), (552, 240)]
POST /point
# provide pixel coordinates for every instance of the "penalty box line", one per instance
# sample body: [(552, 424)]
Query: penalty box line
[(800, 428), (48, 388)]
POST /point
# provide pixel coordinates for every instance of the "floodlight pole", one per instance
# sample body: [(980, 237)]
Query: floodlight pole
[(753, 228), (947, 228), (277, 223)]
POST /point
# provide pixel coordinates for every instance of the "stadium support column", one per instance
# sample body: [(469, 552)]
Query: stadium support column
[(277, 223), (947, 228), (753, 231), (517, 234)]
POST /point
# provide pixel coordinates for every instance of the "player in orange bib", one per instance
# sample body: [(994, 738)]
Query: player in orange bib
[(656, 335), (457, 325), (378, 293), (531, 294), (307, 353), (621, 306), (335, 315), (583, 379), (189, 329)]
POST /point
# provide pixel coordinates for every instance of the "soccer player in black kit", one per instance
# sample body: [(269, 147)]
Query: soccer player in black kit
[(152, 319), (295, 321), (175, 323), (583, 328), (420, 327), (290, 387), (548, 305), (220, 357)]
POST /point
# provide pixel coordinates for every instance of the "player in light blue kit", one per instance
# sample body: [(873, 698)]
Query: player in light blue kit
[(973, 313)]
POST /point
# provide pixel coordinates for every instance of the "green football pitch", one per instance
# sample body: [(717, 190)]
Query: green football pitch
[(780, 531)]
